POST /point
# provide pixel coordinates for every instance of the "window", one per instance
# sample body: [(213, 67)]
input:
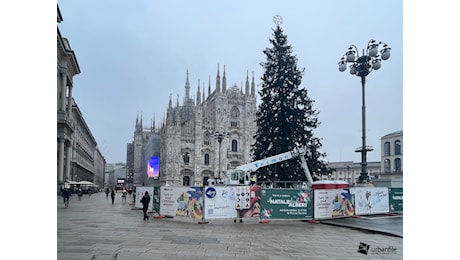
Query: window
[(386, 149), (234, 116), (397, 147), (206, 138), (397, 165), (205, 180), (186, 180), (234, 146), (387, 166), (206, 159), (186, 158)]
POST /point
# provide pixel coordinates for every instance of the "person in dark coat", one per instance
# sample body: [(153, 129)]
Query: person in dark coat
[(66, 194), (145, 204), (112, 195)]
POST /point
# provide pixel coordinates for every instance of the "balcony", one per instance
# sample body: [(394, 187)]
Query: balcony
[(235, 155)]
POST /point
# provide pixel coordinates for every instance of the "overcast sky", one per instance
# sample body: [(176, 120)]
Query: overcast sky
[(134, 54)]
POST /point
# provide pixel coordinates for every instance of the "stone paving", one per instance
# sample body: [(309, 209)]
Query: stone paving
[(94, 229)]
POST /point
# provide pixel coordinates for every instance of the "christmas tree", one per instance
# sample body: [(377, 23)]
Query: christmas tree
[(285, 118)]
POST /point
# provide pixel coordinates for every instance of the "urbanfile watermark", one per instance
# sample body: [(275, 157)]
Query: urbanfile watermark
[(364, 248)]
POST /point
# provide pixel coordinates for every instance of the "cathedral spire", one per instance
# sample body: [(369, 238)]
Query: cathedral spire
[(218, 79), (170, 101), (140, 124), (209, 86), (203, 93), (224, 82), (246, 93), (198, 94), (187, 91), (253, 86)]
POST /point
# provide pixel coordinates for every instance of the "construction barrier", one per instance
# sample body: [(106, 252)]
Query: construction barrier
[(326, 200)]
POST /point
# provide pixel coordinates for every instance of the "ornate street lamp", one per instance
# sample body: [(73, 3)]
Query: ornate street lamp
[(361, 66), (220, 136)]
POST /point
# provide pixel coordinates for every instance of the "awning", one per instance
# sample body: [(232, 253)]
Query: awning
[(86, 183)]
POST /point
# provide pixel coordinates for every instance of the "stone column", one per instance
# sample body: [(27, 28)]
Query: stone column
[(63, 89), (70, 102), (60, 160), (67, 163)]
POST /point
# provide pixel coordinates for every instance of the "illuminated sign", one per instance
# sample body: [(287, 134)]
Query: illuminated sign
[(153, 167)]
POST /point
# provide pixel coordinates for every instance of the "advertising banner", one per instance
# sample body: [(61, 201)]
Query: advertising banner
[(181, 201), (286, 204), (156, 199), (371, 200), (140, 191), (220, 201), (396, 199), (331, 203), (248, 207)]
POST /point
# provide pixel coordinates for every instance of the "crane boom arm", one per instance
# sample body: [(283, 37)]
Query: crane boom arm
[(252, 166), (241, 173)]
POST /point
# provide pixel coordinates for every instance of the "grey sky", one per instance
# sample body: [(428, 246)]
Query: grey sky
[(134, 54)]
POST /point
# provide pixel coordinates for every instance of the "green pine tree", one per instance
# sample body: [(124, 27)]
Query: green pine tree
[(285, 118)]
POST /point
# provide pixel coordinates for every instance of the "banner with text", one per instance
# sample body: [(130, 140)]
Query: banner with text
[(332, 203), (370, 200), (286, 204), (181, 201), (220, 201), (396, 199)]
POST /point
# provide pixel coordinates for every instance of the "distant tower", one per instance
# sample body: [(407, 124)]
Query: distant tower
[(138, 143)]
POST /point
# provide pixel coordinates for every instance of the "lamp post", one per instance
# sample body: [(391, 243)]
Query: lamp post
[(361, 66), (348, 173), (220, 137)]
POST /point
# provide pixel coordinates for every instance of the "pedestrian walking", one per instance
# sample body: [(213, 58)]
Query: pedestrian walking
[(145, 204), (66, 194), (112, 195), (123, 196), (107, 193), (80, 193)]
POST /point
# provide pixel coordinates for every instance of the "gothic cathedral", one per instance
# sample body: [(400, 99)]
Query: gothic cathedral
[(202, 138)]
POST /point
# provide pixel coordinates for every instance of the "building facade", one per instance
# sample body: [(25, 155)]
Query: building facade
[(78, 157), (390, 167), (202, 137), (146, 143), (392, 154), (350, 171), (114, 172)]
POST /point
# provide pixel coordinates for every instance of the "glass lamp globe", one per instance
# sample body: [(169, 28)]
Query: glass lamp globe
[(373, 51), (350, 56), (376, 64), (385, 53)]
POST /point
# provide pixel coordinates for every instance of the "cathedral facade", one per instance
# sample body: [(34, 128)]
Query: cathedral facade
[(208, 134)]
